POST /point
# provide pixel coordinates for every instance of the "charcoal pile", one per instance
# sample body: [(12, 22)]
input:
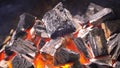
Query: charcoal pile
[(60, 40)]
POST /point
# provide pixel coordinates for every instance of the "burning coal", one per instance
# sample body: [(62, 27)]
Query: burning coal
[(60, 41)]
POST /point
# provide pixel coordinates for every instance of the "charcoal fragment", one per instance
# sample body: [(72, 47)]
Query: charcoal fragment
[(8, 51), (42, 43), (26, 21), (63, 56), (23, 46), (52, 46), (77, 64), (58, 22), (98, 42), (101, 16), (81, 46), (95, 65), (114, 46), (20, 62)]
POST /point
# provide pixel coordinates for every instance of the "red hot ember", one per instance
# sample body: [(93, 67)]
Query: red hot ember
[(59, 41)]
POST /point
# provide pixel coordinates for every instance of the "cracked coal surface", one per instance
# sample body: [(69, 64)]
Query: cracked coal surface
[(11, 9)]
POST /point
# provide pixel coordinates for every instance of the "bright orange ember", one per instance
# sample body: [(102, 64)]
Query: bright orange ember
[(2, 55)]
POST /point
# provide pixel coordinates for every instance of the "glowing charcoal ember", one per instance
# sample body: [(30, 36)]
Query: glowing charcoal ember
[(38, 61), (113, 46), (63, 56), (98, 42), (58, 22), (81, 46), (2, 55), (52, 46)]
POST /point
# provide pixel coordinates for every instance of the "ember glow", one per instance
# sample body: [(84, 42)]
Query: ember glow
[(2, 55)]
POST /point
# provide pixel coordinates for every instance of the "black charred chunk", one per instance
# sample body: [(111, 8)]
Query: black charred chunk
[(58, 22)]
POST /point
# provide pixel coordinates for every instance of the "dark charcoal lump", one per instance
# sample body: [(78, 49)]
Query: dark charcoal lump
[(98, 42), (65, 56), (58, 22), (42, 43), (114, 46), (8, 51), (26, 21), (95, 65), (20, 62), (81, 46), (77, 65)]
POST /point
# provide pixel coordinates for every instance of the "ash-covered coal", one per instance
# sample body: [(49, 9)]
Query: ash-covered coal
[(58, 22)]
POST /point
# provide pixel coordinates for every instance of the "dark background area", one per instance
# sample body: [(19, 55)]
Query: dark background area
[(11, 9)]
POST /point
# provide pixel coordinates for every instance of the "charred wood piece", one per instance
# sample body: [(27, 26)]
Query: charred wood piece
[(96, 65), (58, 22), (42, 43), (101, 16), (98, 42), (114, 46), (26, 21), (23, 47), (52, 46), (20, 62), (8, 51), (63, 56), (81, 46)]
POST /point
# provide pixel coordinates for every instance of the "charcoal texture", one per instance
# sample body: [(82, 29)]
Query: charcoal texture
[(42, 43), (58, 22), (52, 46), (114, 46), (98, 42), (65, 56), (23, 46), (95, 65), (101, 16), (8, 51), (20, 62), (26, 21), (81, 46)]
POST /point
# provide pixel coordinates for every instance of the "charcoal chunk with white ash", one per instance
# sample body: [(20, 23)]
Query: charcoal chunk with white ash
[(98, 42), (64, 56), (25, 47), (102, 15), (52, 46), (58, 22)]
